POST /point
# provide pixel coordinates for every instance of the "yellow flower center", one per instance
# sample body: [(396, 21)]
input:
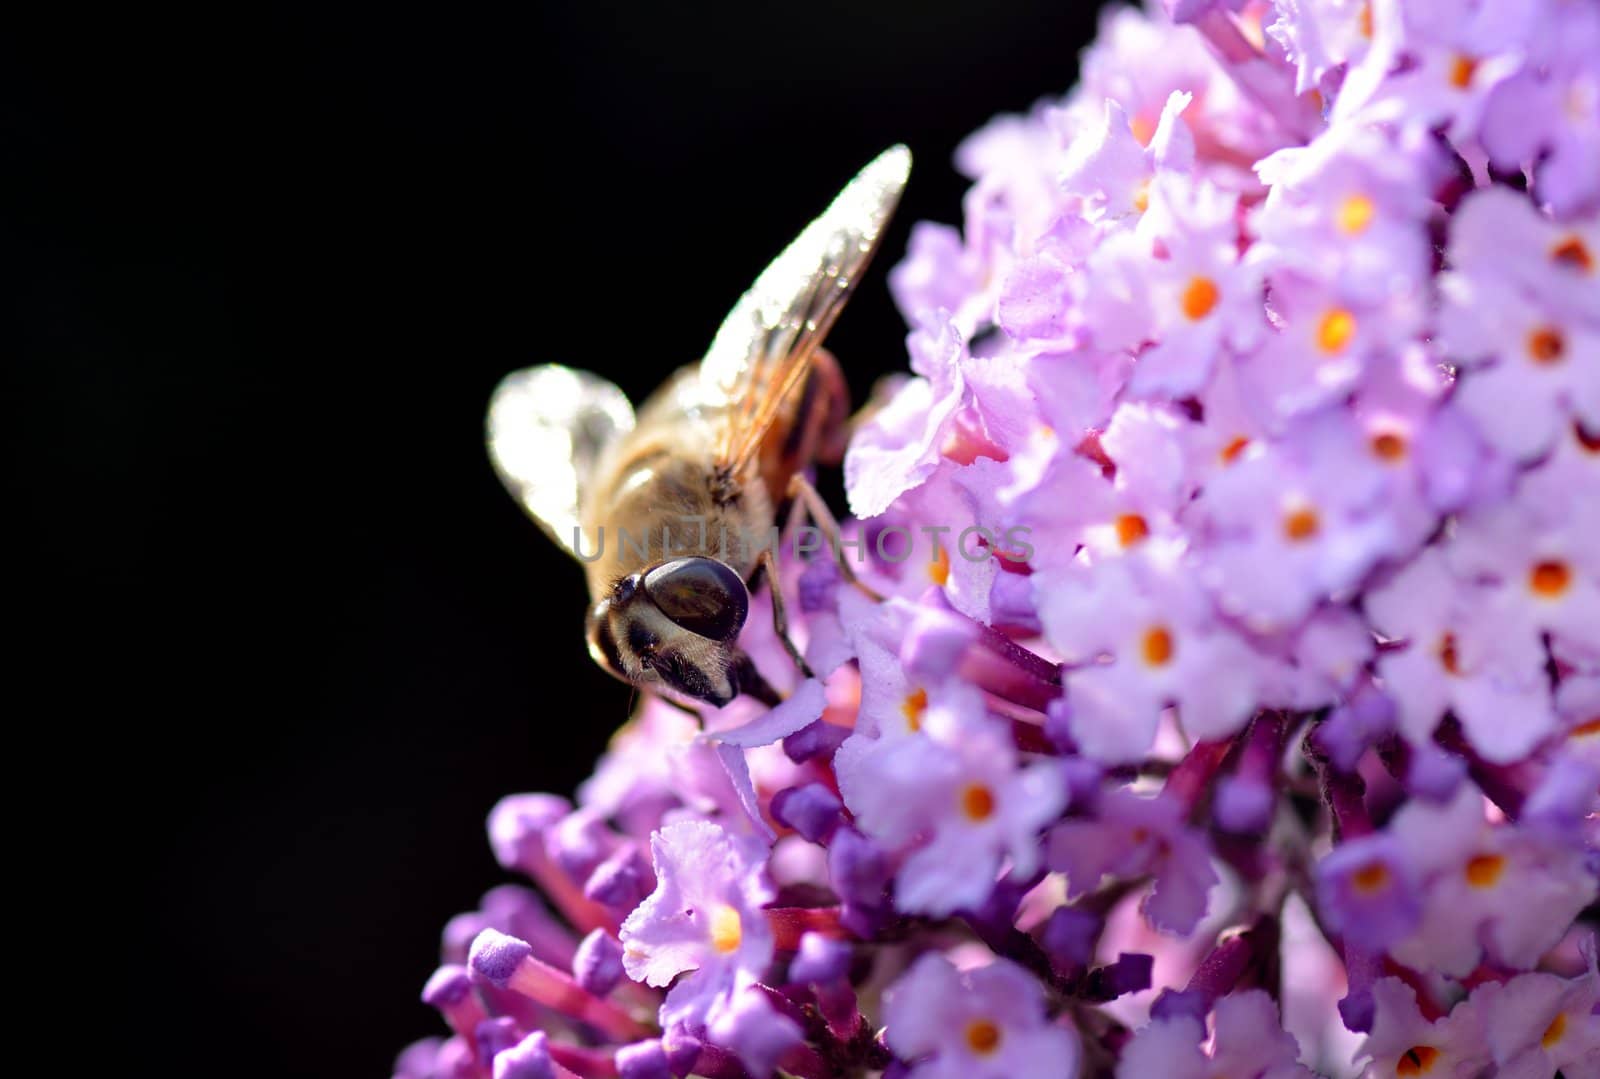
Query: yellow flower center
[(939, 568), (1553, 1032), (1158, 646), (1141, 197), (977, 802), (983, 1036), (1418, 1060), (1336, 330), (1355, 214), (1484, 870), (726, 930), (1550, 579), (1131, 528), (1199, 298), (1546, 345)]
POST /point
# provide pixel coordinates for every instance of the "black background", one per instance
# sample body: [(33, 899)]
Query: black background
[(266, 268)]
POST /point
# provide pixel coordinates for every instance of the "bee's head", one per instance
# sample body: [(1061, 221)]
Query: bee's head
[(675, 624)]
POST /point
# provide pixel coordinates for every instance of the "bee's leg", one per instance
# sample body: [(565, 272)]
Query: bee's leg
[(752, 684), (780, 615), (680, 706), (805, 495)]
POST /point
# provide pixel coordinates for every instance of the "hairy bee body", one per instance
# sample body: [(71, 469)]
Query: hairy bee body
[(674, 510)]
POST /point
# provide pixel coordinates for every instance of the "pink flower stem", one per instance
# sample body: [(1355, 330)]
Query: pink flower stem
[(789, 924)]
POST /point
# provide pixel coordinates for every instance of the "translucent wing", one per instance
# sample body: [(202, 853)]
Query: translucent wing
[(764, 348), (547, 426)]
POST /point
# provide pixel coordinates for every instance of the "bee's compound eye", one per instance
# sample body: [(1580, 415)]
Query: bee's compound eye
[(702, 595), (602, 642)]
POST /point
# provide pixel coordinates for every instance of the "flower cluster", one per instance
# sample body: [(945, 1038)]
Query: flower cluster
[(1278, 754)]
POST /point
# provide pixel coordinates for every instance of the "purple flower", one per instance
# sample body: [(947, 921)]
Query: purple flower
[(983, 1023), (954, 796), (1402, 1038), (1543, 1025), (1238, 511), (1147, 614), (1501, 891), (1367, 891), (704, 917), (1458, 656), (1133, 837), (1248, 1040)]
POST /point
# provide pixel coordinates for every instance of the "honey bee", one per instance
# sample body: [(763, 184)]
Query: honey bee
[(682, 489)]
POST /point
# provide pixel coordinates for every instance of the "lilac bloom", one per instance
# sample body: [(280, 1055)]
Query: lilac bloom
[(902, 444), (1130, 837), (1142, 635), (1367, 891), (1200, 297), (1546, 117), (1248, 1040), (1541, 1025), (1458, 657), (1502, 246), (1499, 891), (704, 919), (1454, 58), (955, 797), (1537, 550), (984, 1023), (1289, 530), (1113, 169), (1351, 209), (1321, 37), (1402, 1042)]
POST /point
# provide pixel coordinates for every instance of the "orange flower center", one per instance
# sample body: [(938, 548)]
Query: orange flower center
[(1143, 128), (1364, 20), (1335, 331), (1199, 298), (983, 1036), (939, 568), (1371, 878), (1158, 646), (1574, 254), (1447, 654), (977, 802), (1418, 1060), (1484, 870), (1141, 197), (1389, 446), (1549, 579), (1546, 345), (1553, 1032), (1586, 728), (1131, 528), (1301, 524), (1462, 68), (913, 706), (1355, 214), (1230, 453)]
